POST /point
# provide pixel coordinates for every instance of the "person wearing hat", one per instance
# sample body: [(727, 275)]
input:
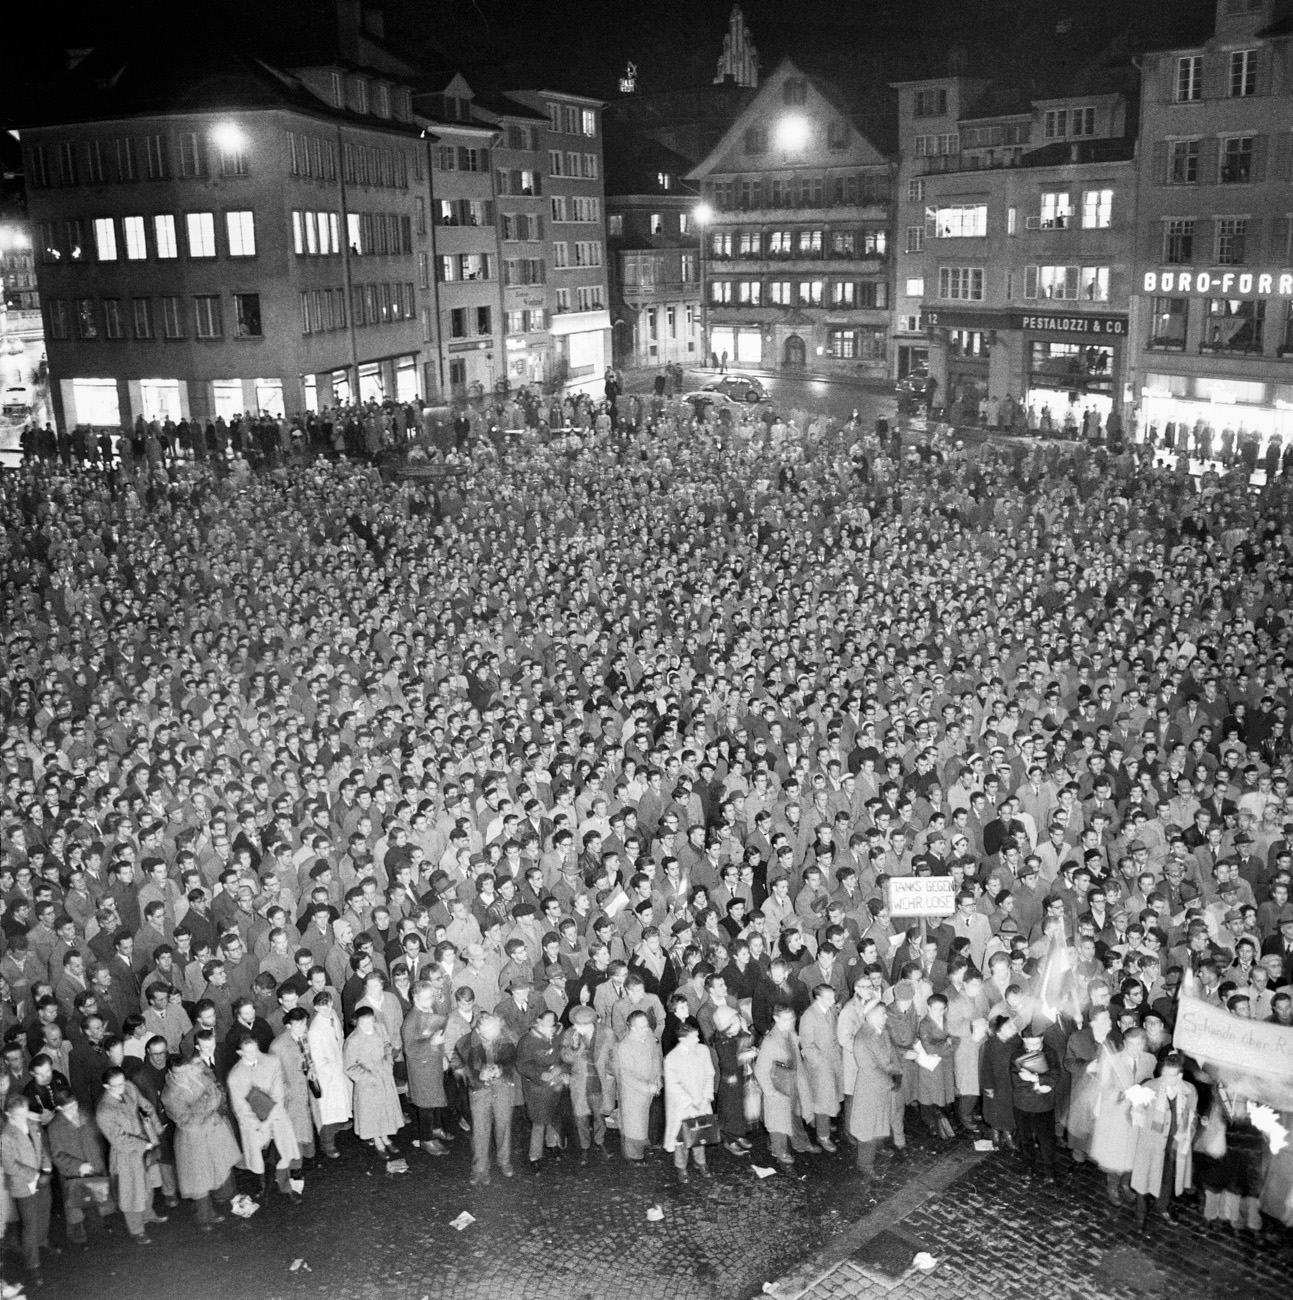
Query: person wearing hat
[(586, 1048), (877, 1085), (734, 1053), (688, 1094)]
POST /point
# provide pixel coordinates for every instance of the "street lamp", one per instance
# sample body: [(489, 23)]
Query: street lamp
[(792, 133), (703, 214), (228, 137)]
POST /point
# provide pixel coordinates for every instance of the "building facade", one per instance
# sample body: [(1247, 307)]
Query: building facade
[(570, 143), (465, 315), (255, 252), (653, 254), (796, 264), (1015, 227), (1212, 307)]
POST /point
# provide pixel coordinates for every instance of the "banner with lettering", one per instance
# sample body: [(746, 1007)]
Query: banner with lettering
[(1216, 1037)]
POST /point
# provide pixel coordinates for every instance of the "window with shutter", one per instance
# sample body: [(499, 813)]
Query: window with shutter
[(1030, 282), (1259, 158), (1159, 162)]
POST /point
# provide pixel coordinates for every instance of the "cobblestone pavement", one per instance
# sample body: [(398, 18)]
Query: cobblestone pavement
[(995, 1236), (577, 1233)]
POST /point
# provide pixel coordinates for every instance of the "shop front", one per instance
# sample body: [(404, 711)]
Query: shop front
[(1063, 363), (1074, 363), (1215, 377), (742, 344)]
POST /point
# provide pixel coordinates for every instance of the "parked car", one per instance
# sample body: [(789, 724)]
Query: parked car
[(17, 400), (917, 384), (743, 387), (703, 399)]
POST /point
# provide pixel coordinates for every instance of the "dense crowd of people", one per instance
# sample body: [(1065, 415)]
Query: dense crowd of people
[(334, 820)]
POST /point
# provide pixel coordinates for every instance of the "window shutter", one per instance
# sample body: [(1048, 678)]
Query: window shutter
[(1159, 162), (1265, 69), (1202, 247), (1283, 157), (1254, 249), (1260, 144), (488, 207), (1072, 282), (1030, 282), (538, 227), (1208, 150), (1279, 251), (514, 182), (1166, 68)]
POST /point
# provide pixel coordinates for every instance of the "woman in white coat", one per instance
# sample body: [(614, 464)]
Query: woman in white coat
[(688, 1092), (332, 1110)]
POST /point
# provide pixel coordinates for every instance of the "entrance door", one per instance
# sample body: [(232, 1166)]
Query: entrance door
[(458, 379), (794, 354)]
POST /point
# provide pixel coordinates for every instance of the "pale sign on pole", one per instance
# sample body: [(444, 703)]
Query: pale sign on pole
[(921, 896)]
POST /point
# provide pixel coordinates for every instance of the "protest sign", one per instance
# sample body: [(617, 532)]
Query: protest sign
[(922, 896), (1252, 1047)]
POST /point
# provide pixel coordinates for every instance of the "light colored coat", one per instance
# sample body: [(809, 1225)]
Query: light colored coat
[(688, 1088), (848, 1021), (962, 1012), (823, 1059), (1149, 1153), (265, 1073), (205, 1146), (296, 1090), (639, 1075), (1113, 1140), (876, 1066), (778, 1062), (368, 1060), (121, 1124), (334, 1107)]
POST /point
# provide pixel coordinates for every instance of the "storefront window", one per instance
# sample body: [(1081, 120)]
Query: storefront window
[(1076, 364), (1168, 322), (1234, 325)]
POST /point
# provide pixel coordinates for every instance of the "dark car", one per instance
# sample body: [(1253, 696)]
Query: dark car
[(742, 387)]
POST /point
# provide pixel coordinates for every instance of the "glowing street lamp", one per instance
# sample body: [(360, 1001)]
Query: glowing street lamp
[(229, 137), (792, 133)]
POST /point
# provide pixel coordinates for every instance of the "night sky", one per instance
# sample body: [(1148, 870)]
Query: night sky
[(584, 44)]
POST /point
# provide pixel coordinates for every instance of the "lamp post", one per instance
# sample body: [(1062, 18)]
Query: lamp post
[(703, 214)]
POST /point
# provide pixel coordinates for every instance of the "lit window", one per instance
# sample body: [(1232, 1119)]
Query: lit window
[(164, 235), (105, 239), (133, 229), (201, 233), (241, 227)]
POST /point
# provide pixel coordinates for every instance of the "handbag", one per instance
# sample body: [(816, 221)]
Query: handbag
[(94, 1189), (261, 1103), (316, 1088), (700, 1131)]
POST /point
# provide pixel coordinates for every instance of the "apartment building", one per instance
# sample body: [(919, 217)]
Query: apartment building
[(254, 250), (653, 253), (1015, 222), (1212, 306), (796, 262)]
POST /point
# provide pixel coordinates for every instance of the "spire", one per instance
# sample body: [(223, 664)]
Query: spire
[(739, 60)]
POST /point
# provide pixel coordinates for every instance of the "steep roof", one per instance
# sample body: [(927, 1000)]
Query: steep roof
[(113, 83), (633, 163)]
